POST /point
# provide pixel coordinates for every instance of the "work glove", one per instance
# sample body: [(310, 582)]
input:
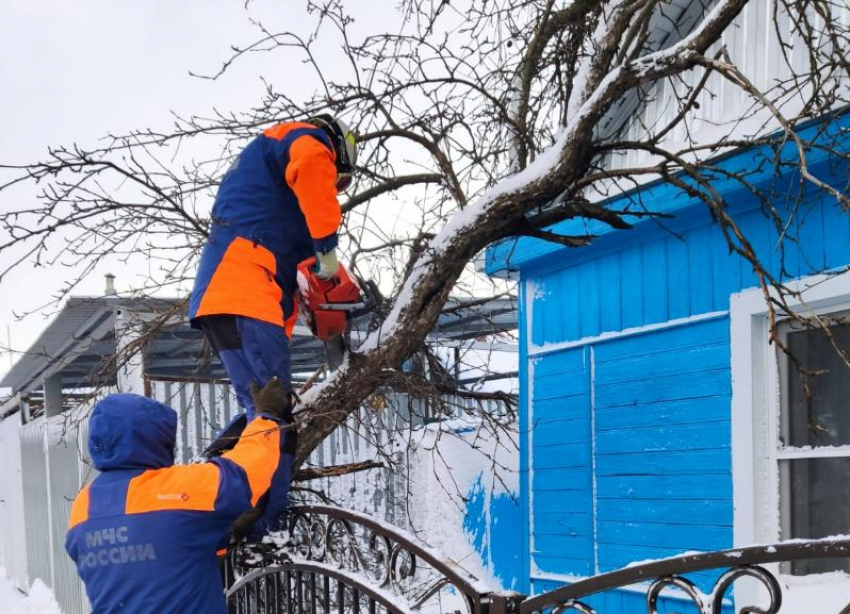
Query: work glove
[(327, 264), (244, 524), (273, 400)]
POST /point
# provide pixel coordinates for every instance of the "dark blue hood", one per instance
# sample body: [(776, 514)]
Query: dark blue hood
[(128, 431)]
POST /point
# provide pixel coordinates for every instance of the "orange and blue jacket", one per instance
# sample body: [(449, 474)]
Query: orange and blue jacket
[(276, 206), (144, 533)]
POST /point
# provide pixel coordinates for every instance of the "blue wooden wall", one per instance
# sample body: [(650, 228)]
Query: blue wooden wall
[(561, 484), (647, 414), (663, 443), (626, 398), (661, 277), (652, 412)]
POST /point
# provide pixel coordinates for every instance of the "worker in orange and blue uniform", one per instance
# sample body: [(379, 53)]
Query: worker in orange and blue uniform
[(276, 206), (144, 533)]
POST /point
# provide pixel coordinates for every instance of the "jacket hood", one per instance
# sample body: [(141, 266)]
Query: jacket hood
[(128, 431)]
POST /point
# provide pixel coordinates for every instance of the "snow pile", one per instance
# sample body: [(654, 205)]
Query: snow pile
[(450, 461), (39, 601)]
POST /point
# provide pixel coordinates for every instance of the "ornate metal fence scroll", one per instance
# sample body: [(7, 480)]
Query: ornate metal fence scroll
[(669, 573), (342, 562)]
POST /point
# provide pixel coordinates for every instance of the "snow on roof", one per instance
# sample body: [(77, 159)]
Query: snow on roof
[(80, 340)]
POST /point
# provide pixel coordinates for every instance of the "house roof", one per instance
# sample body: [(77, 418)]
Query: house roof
[(679, 210), (80, 341), (76, 342)]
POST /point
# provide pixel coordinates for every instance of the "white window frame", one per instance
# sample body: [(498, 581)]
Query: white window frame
[(756, 402)]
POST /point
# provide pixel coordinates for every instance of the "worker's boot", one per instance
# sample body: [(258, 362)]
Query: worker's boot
[(274, 400), (227, 437)]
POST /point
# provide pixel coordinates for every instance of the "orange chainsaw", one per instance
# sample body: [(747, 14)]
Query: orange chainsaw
[(328, 305)]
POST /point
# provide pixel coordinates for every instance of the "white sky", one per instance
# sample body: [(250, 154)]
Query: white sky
[(74, 71)]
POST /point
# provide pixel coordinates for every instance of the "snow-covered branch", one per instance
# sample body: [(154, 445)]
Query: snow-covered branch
[(479, 121)]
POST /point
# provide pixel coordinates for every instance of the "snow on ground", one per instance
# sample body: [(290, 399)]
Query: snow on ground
[(39, 601)]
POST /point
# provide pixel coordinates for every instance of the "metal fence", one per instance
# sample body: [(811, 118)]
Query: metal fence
[(12, 529), (54, 468), (55, 465), (342, 562)]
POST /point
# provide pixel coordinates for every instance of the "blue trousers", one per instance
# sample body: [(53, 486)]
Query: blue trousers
[(250, 350), (255, 351)]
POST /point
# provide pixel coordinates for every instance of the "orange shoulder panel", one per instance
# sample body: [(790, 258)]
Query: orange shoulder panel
[(311, 174), (258, 453), (180, 487), (243, 284), (281, 130), (80, 508)]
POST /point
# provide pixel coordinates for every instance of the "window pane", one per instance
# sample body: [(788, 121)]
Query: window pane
[(818, 506), (817, 402)]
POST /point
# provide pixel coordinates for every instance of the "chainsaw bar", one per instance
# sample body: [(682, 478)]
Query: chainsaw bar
[(335, 350), (343, 306)]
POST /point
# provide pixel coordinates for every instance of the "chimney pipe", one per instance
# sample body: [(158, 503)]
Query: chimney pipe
[(110, 285)]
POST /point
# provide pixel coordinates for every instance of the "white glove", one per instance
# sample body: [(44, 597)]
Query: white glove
[(327, 265)]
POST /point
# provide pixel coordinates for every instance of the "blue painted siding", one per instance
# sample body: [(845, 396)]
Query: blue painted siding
[(669, 278), (524, 584), (491, 522), (625, 446), (757, 165), (626, 601), (561, 521), (663, 440), (661, 434)]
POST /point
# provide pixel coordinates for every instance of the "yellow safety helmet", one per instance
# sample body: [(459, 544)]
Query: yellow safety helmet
[(345, 145)]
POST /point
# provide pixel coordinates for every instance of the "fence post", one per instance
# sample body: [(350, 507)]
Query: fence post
[(506, 602)]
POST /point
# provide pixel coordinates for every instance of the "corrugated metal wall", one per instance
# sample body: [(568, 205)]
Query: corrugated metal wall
[(202, 410), (754, 45), (383, 430), (13, 553), (36, 502), (54, 469), (366, 436), (68, 469)]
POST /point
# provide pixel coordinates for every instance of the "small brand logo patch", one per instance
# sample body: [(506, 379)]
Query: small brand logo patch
[(172, 496)]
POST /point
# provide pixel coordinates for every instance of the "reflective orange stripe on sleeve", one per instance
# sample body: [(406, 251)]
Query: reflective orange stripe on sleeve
[(311, 173), (189, 487), (258, 453), (80, 508)]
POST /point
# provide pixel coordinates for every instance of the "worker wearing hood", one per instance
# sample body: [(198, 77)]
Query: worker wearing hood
[(144, 533)]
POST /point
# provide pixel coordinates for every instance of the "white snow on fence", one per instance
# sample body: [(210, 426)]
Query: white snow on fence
[(38, 600)]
